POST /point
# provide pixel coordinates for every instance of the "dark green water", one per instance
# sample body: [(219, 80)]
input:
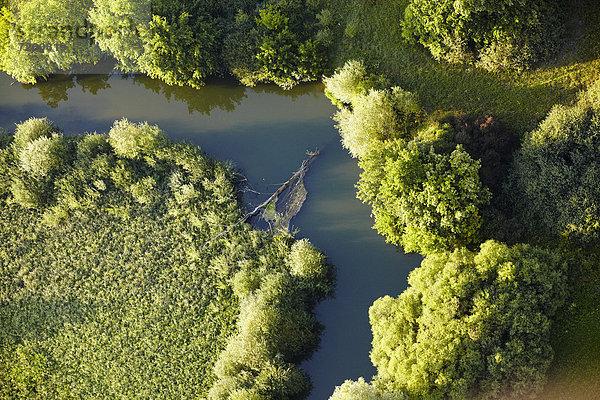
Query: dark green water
[(266, 132)]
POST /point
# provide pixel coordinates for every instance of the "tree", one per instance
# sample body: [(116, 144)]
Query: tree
[(494, 34), (470, 325), (422, 200), (281, 45), (376, 116), (46, 37), (556, 174), (181, 49), (348, 83), (117, 25), (361, 390)]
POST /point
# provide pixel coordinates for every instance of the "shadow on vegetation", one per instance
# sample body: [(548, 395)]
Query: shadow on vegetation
[(374, 33)]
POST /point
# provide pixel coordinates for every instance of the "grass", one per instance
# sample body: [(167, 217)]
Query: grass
[(113, 289), (575, 373), (372, 32)]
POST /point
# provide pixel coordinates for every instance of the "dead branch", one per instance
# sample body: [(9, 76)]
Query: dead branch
[(264, 204)]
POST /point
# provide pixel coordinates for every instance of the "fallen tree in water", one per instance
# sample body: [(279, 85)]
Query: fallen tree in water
[(294, 196)]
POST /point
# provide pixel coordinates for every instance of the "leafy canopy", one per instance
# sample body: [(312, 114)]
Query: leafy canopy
[(423, 200), (495, 34), (470, 324), (112, 284), (556, 174)]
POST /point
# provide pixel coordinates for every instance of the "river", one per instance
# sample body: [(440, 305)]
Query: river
[(265, 132)]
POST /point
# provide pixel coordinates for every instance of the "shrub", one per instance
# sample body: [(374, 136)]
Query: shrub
[(554, 182), (32, 129), (493, 33), (361, 390), (28, 192), (306, 261), (180, 50), (375, 117), (42, 156), (470, 325), (135, 141), (92, 145), (349, 82), (422, 200)]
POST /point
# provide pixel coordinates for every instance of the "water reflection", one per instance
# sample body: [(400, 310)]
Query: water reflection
[(266, 131), (218, 94)]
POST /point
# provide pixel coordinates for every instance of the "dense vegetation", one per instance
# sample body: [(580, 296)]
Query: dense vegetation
[(476, 319), (556, 173), (494, 34), (424, 188), (181, 42), (112, 283), (473, 324), (470, 325)]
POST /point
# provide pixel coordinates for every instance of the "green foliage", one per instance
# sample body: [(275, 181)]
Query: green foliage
[(275, 330), (368, 116), (42, 156), (360, 390), (45, 37), (135, 141), (556, 172), (307, 262), (470, 324), (117, 29), (114, 286), (32, 129), (283, 45), (492, 33), (422, 200), (348, 83), (182, 51), (179, 42)]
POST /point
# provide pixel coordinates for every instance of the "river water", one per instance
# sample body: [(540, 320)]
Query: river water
[(265, 132)]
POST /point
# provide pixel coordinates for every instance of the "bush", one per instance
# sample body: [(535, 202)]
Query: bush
[(361, 390), (375, 117), (495, 34), (306, 261), (279, 46), (180, 50), (135, 141), (470, 325), (42, 156), (422, 200), (32, 129), (91, 146), (348, 83), (129, 279), (554, 182)]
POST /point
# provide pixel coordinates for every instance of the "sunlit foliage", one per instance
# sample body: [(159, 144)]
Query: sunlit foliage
[(112, 284), (492, 33), (423, 200), (470, 324), (177, 41)]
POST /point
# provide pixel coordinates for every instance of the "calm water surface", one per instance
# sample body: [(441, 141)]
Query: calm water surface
[(265, 132)]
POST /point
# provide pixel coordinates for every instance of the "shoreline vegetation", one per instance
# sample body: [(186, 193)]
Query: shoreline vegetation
[(109, 287), (475, 124)]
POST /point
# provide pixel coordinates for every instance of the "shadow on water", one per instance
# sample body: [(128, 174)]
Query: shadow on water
[(221, 94)]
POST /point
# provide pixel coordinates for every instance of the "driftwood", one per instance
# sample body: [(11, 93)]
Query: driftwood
[(282, 188), (264, 204)]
